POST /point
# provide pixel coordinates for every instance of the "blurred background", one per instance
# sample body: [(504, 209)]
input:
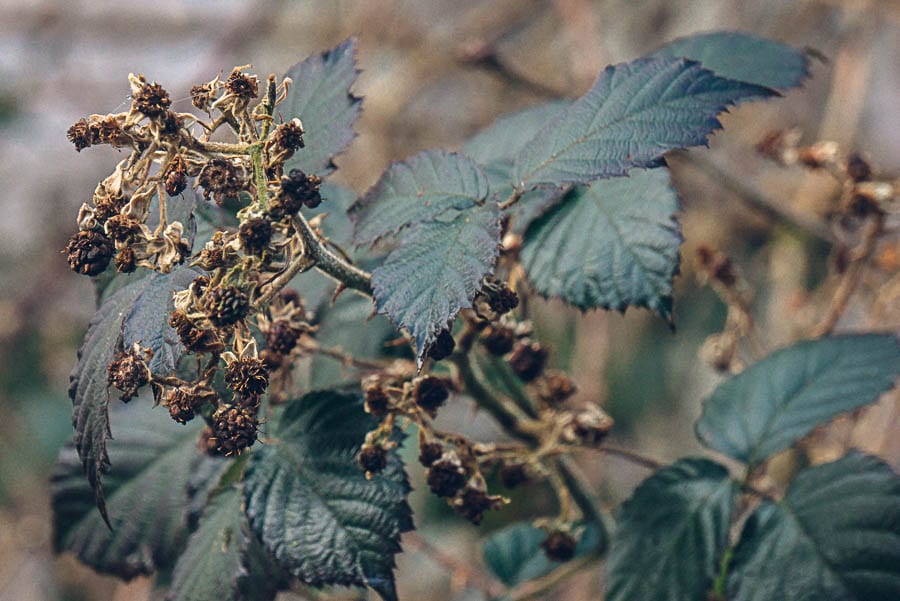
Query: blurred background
[(433, 73)]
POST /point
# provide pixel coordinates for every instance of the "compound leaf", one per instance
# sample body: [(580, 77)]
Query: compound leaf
[(514, 554), (633, 114), (223, 559), (312, 507), (611, 244), (672, 533), (137, 302), (320, 96), (146, 489), (436, 271), (835, 535), (743, 57), (782, 398), (431, 185)]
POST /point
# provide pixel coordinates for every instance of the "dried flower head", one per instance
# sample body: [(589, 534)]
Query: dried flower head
[(128, 371), (234, 429), (225, 305), (89, 252)]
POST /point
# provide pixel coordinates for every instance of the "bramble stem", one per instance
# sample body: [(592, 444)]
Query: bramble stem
[(259, 176), (350, 276)]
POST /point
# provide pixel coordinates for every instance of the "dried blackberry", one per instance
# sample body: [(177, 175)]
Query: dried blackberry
[(430, 392), (282, 337), (80, 135), (499, 297), (446, 476), (289, 136), (297, 190), (528, 361), (126, 262), (247, 376), (498, 340), (429, 452), (591, 425), (89, 252), (225, 305), (202, 96), (219, 180), (474, 502), (122, 228), (514, 474), (372, 458), (194, 339), (234, 429), (442, 347), (559, 546), (377, 400), (128, 372), (555, 388), (184, 402), (175, 176), (151, 99), (255, 235), (858, 169), (242, 85)]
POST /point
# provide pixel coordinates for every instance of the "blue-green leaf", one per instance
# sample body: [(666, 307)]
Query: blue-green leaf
[(146, 494), (320, 96), (430, 186), (782, 398), (138, 303), (223, 559), (633, 114), (514, 554), (835, 535), (312, 507), (671, 534), (612, 244), (743, 57), (436, 271)]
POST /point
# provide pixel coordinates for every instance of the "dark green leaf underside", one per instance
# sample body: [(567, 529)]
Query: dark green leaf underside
[(436, 271), (431, 185), (633, 114), (612, 244), (743, 57), (835, 536), (320, 96), (782, 398), (672, 533), (311, 505)]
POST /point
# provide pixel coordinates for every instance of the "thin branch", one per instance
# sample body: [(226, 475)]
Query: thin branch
[(468, 574), (331, 264), (345, 359), (535, 588), (632, 456)]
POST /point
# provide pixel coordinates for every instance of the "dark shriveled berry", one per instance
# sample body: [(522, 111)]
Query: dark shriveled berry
[(446, 477), (122, 228), (514, 474), (128, 372), (297, 190), (430, 392), (555, 388), (502, 300), (242, 85), (372, 458), (175, 176), (528, 361), (202, 96), (184, 402), (234, 429), (498, 340), (289, 136), (255, 235), (151, 99), (474, 502), (194, 339), (429, 452), (282, 337), (219, 180), (559, 546), (858, 169), (442, 347), (377, 400), (89, 252), (80, 135), (225, 305), (125, 260), (247, 376)]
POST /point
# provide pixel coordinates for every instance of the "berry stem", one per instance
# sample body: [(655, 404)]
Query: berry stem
[(350, 276)]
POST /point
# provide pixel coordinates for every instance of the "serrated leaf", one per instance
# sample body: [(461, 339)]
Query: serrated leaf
[(672, 533), (146, 495), (320, 96), (223, 559), (431, 185), (743, 57), (309, 502), (835, 536), (87, 383), (633, 114), (612, 244), (514, 554), (782, 398), (436, 271)]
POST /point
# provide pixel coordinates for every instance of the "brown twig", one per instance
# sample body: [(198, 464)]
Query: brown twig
[(460, 571)]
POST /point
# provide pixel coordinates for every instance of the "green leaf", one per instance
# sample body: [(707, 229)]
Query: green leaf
[(672, 533), (311, 505), (633, 114), (743, 57), (612, 244), (223, 559), (138, 302), (514, 554), (146, 489), (320, 96), (835, 536), (783, 397), (436, 271), (432, 185)]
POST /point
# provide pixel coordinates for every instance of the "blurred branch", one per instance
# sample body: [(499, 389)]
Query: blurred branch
[(460, 571)]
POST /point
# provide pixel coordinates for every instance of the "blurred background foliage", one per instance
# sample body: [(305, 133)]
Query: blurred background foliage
[(435, 72)]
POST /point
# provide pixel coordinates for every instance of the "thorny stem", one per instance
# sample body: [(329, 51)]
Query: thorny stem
[(269, 106), (851, 276), (259, 176)]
